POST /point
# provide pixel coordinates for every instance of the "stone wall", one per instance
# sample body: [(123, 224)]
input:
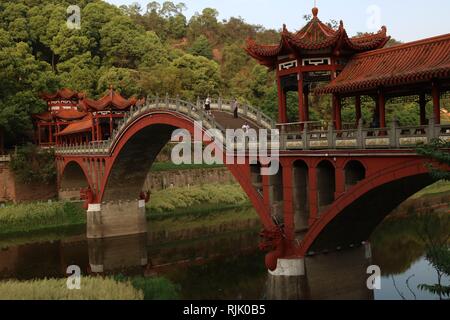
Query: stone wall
[(12, 190), (182, 178)]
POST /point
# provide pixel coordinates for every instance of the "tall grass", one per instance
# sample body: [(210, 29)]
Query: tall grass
[(153, 288), (41, 215), (170, 200), (56, 289)]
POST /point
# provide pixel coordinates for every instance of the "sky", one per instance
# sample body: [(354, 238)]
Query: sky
[(406, 20)]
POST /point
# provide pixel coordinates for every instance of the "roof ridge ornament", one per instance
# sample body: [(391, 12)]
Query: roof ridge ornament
[(315, 11)]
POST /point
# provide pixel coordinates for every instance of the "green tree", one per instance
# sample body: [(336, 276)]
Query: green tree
[(126, 81), (201, 47)]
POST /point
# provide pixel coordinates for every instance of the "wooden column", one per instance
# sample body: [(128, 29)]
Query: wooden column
[(110, 125), (50, 133), (39, 133), (97, 122), (301, 105), (423, 111), (358, 109), (435, 92), (337, 106), (382, 108), (282, 111), (306, 104)]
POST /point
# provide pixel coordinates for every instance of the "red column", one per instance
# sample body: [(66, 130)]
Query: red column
[(110, 125), (301, 105), (288, 199), (50, 133), (282, 112), (382, 108), (313, 196), (435, 92), (423, 111), (266, 192), (337, 112), (358, 109), (306, 104), (97, 121), (39, 133)]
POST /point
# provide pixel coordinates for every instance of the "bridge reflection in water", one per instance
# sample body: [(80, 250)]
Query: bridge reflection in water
[(337, 275)]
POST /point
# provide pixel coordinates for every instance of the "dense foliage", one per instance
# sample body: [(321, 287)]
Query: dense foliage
[(438, 151), (140, 51), (31, 164)]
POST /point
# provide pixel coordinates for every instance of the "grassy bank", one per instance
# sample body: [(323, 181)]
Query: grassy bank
[(56, 289), (40, 216), (191, 199), (434, 189)]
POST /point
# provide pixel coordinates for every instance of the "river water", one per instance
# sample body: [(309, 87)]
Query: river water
[(229, 266)]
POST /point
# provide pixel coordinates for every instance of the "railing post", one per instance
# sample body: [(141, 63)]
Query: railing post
[(167, 100), (359, 135), (258, 116), (331, 137), (393, 138), (198, 103), (431, 129), (177, 102), (245, 110), (219, 102), (305, 138), (157, 101)]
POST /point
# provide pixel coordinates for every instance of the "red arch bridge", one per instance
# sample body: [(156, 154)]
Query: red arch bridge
[(331, 190)]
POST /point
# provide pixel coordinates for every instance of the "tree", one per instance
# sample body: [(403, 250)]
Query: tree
[(201, 47), (437, 150), (125, 81)]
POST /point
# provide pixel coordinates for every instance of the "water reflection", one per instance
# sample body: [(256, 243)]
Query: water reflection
[(120, 253), (339, 275), (229, 266)]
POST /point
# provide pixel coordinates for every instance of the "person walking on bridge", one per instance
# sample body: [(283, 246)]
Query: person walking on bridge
[(236, 108), (208, 106)]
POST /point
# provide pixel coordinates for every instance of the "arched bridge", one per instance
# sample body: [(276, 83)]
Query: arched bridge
[(331, 190)]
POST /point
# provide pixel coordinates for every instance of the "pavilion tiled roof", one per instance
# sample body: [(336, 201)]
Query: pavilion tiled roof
[(64, 93), (84, 125), (111, 101), (67, 115), (415, 62), (316, 35)]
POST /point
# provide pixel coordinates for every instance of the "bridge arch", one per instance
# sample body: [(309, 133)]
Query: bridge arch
[(326, 184), (133, 154), (355, 172), (365, 206), (73, 178)]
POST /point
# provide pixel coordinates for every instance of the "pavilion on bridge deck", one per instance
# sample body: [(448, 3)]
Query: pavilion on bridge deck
[(353, 67), (72, 118)]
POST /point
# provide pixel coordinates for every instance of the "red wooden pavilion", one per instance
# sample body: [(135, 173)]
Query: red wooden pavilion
[(72, 118)]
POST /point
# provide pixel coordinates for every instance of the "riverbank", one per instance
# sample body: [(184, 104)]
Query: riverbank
[(200, 208)]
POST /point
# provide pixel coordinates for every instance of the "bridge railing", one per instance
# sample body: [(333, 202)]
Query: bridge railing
[(364, 138), (192, 111), (245, 111)]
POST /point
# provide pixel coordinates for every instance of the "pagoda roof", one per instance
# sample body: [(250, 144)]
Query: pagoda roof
[(64, 93), (314, 36), (112, 101), (84, 125), (67, 115), (414, 62)]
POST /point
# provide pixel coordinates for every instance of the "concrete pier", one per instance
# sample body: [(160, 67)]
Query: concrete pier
[(116, 219)]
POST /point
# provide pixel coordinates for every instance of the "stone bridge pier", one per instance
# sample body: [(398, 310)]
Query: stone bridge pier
[(116, 218)]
